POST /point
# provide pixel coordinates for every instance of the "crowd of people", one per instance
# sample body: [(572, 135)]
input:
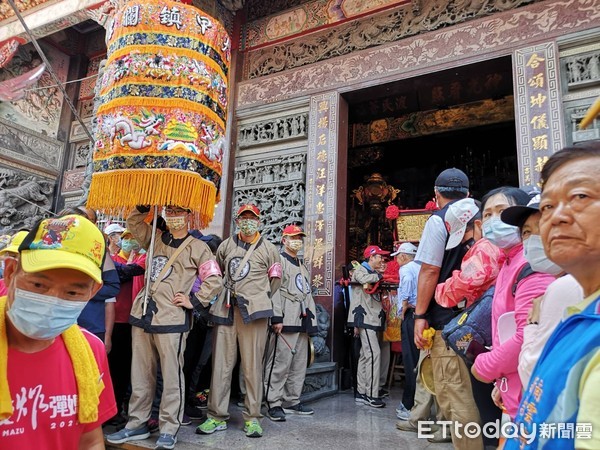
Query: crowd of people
[(522, 268), (118, 328), (81, 304)]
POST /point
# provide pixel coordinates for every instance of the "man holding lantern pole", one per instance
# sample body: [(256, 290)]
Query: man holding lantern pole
[(161, 321)]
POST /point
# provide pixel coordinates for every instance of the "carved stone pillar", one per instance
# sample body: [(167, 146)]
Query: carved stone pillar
[(539, 111), (325, 216)]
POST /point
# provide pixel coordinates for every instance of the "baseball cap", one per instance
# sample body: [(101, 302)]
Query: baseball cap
[(293, 230), (374, 250), (457, 216), (67, 242), (407, 247), (531, 190), (248, 207), (113, 228), (13, 245), (518, 214), (453, 179)]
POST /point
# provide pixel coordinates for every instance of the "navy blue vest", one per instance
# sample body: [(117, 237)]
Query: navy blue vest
[(437, 315)]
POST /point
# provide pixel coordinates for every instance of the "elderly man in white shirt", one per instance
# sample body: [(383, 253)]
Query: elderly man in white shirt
[(407, 299)]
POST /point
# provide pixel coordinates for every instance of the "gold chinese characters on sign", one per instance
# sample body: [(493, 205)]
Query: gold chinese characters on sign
[(318, 254), (410, 224), (538, 107)]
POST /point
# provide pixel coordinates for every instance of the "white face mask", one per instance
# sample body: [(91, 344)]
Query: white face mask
[(533, 250)]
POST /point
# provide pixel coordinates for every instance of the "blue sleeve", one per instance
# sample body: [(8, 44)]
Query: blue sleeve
[(126, 272), (110, 288)]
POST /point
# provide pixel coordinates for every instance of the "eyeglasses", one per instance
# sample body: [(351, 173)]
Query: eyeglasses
[(175, 211)]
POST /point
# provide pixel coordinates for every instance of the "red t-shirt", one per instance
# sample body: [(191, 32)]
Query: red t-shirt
[(44, 394), (129, 289), (3, 288)]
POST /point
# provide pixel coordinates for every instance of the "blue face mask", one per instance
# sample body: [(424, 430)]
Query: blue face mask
[(501, 234), (42, 317), (129, 244), (533, 250)]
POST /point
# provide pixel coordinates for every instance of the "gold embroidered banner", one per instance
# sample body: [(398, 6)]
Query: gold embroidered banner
[(163, 104)]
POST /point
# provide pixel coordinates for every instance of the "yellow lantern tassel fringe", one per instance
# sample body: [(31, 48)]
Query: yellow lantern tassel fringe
[(119, 191)]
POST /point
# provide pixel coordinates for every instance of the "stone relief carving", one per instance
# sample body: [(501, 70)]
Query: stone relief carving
[(426, 15), (314, 383), (576, 114), (277, 187), (72, 181), (422, 53), (28, 147), (81, 152), (24, 199), (322, 352), (268, 131), (89, 169), (86, 108), (582, 69), (318, 381)]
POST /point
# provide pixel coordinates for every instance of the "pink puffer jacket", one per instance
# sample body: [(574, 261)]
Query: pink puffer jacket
[(502, 362)]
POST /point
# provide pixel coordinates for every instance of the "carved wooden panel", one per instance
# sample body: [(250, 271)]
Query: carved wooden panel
[(424, 123)]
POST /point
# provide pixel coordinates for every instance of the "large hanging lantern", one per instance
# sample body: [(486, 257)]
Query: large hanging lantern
[(163, 102)]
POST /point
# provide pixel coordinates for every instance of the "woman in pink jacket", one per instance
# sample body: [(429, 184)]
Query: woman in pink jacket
[(501, 363)]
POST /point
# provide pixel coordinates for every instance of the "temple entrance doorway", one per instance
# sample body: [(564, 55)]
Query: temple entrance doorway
[(403, 134)]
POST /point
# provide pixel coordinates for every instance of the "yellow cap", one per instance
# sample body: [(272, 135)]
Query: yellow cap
[(68, 242), (15, 242)]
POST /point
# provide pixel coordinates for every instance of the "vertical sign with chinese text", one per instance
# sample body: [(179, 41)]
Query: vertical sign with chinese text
[(539, 118), (320, 192)]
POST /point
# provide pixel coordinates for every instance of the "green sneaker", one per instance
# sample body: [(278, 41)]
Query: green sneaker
[(252, 428), (209, 426)]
